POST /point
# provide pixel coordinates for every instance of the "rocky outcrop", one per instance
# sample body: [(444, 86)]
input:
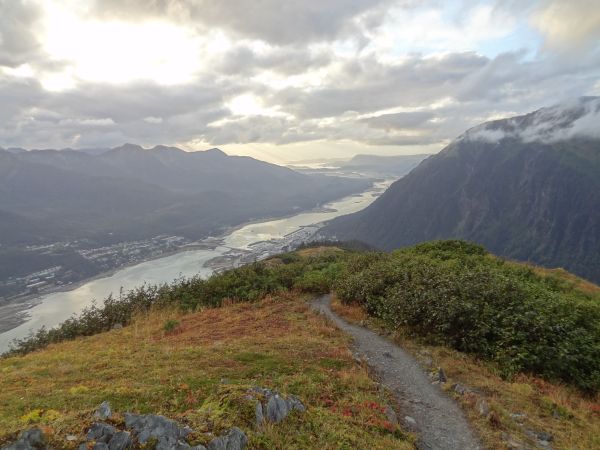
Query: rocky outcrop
[(141, 430), (28, 440), (272, 407), (234, 439), (166, 432)]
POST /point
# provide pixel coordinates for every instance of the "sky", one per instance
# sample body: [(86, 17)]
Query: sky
[(285, 80)]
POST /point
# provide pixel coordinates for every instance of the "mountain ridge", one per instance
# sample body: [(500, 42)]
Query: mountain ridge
[(535, 201)]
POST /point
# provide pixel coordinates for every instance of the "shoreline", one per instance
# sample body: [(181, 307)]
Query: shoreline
[(15, 312)]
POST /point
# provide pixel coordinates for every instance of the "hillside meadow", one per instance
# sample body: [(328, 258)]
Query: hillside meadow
[(525, 339)]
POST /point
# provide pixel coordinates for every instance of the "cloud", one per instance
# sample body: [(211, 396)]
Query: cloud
[(18, 43), (563, 121), (280, 22), (572, 25), (352, 73)]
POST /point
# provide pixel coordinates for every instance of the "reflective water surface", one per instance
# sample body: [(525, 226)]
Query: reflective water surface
[(54, 308)]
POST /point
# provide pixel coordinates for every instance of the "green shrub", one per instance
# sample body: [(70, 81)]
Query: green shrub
[(247, 283), (171, 325), (457, 294)]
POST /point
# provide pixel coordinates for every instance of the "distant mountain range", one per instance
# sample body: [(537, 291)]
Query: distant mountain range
[(527, 188), (392, 165), (129, 193)]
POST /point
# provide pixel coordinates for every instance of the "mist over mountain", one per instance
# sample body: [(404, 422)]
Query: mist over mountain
[(526, 187)]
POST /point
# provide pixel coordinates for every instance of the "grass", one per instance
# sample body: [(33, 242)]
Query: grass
[(198, 373), (572, 418), (572, 281)]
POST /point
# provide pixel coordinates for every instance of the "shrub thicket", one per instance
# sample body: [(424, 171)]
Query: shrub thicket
[(247, 283), (461, 296), (452, 292)]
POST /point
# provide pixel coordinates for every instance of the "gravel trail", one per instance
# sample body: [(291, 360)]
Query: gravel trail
[(440, 422)]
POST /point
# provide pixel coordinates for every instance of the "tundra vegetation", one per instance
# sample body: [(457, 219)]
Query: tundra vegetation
[(521, 336)]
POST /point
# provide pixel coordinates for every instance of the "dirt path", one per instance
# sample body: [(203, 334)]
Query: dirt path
[(439, 421)]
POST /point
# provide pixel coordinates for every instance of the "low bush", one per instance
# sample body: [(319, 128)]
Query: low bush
[(452, 292), (459, 295), (248, 283)]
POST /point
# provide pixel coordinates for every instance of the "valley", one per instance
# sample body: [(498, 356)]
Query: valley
[(243, 244)]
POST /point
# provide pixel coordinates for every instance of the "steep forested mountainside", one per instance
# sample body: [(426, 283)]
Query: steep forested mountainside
[(527, 188)]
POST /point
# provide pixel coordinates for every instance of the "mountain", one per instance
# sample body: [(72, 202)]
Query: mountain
[(129, 193), (392, 165), (526, 187)]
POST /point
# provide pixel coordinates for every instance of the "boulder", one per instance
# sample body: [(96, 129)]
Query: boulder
[(103, 412), (234, 439), (277, 409), (544, 436), (410, 423), (32, 439), (120, 441), (167, 432), (258, 412), (461, 389), (442, 376), (101, 432), (483, 408)]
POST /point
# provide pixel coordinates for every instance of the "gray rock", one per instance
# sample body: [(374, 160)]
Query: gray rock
[(294, 404), (167, 432), (442, 375), (518, 417), (483, 408), (387, 354), (82, 446), (235, 439), (461, 389), (544, 436), (198, 447), (277, 409), (410, 422), (512, 443), (103, 412), (28, 440), (258, 412), (117, 326), (531, 434), (120, 441), (181, 445), (101, 432), (100, 446)]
